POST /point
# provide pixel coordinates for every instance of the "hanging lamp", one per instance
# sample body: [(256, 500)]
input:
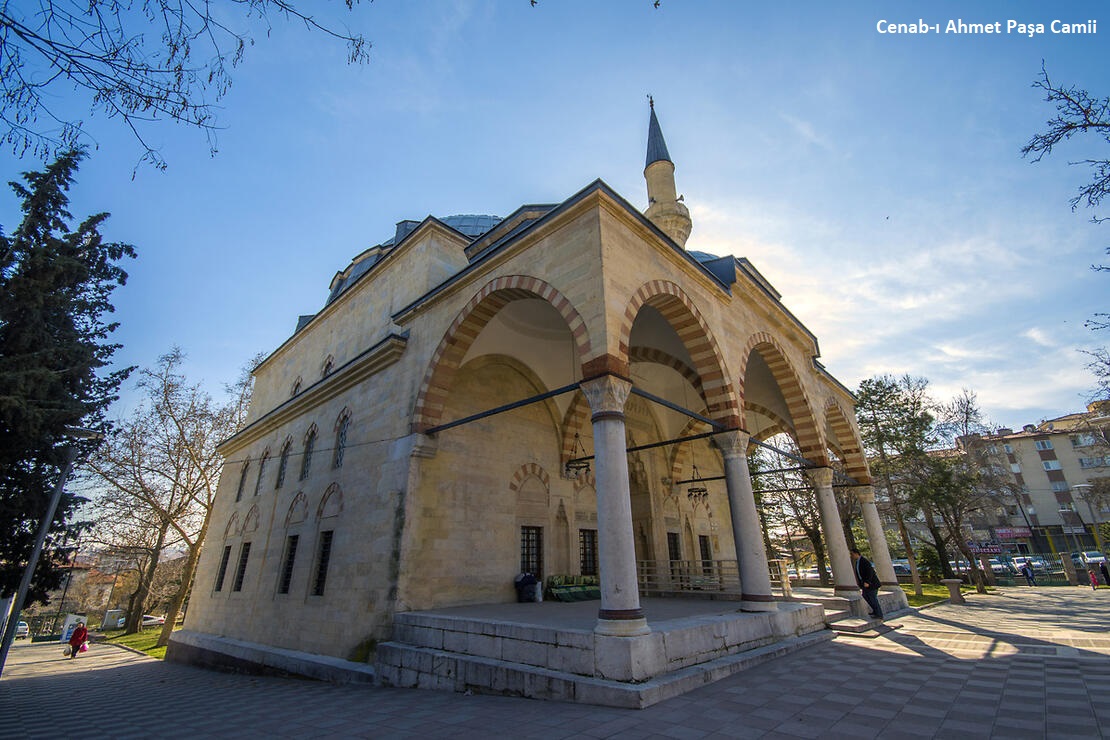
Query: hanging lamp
[(578, 463)]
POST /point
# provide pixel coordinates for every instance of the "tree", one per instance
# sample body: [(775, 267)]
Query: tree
[(55, 290), (140, 62), (159, 471), (1078, 113), (895, 426)]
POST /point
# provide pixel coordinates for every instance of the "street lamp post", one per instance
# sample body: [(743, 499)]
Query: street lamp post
[(16, 606)]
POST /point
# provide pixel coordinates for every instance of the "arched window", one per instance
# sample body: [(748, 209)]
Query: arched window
[(283, 463), (309, 444), (341, 428), (261, 471), (296, 387), (242, 480), (329, 365)]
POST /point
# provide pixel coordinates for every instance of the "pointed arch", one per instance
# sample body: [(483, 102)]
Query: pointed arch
[(530, 470), (298, 510), (469, 323), (232, 528), (250, 521), (331, 503), (848, 441), (809, 436), (679, 310)]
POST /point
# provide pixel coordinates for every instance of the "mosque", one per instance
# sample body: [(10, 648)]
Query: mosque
[(564, 391)]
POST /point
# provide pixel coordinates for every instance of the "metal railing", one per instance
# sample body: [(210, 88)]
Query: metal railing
[(702, 577)]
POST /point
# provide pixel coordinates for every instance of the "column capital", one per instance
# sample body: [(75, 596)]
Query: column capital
[(606, 396), (820, 477), (865, 494), (733, 443)]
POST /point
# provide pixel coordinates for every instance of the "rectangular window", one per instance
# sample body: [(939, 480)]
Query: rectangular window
[(706, 554), (241, 569), (674, 547), (587, 551), (1059, 486), (287, 563), (1008, 448), (531, 551), (223, 568), (323, 556), (1015, 468), (1044, 444), (1051, 464)]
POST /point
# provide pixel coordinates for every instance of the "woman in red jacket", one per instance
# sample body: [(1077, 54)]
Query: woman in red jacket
[(77, 639)]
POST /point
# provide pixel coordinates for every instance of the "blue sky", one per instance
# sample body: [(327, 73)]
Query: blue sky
[(875, 179)]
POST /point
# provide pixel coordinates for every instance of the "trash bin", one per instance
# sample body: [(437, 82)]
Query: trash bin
[(526, 587)]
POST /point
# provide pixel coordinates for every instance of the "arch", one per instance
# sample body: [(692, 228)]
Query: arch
[(331, 504), (298, 510), (468, 324), (296, 386), (683, 316), (232, 528), (283, 461), (265, 458), (339, 446), (327, 367), (807, 434), (779, 424), (529, 470), (659, 357), (851, 448), (250, 521)]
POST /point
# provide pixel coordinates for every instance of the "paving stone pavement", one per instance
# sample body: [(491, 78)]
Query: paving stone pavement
[(1019, 663)]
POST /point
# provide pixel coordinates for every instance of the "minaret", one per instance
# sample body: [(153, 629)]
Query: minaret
[(664, 207)]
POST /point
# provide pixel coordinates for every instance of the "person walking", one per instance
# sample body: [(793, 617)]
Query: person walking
[(1027, 571), (77, 639), (1093, 575), (868, 582)]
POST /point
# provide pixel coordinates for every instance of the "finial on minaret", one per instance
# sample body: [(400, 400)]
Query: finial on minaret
[(664, 207)]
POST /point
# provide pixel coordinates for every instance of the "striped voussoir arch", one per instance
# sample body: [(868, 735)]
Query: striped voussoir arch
[(469, 323), (680, 452), (585, 480), (683, 316), (781, 425), (526, 471), (807, 434), (574, 421), (848, 441), (659, 357)]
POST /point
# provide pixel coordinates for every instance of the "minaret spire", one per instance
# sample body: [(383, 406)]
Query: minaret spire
[(665, 209)]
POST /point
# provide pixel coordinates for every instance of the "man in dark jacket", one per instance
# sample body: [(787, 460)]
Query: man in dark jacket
[(868, 582)]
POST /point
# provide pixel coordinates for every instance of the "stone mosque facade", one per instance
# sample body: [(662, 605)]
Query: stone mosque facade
[(482, 396)]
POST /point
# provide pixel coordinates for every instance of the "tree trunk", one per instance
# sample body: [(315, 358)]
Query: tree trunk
[(940, 543), (135, 616), (186, 583), (906, 543)]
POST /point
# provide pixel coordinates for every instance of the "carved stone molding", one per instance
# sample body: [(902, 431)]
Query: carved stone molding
[(820, 477), (606, 395)]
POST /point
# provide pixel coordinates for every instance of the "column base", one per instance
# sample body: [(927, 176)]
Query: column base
[(759, 604), (852, 593), (622, 627)]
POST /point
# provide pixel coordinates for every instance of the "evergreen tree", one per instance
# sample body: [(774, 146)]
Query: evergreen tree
[(55, 290)]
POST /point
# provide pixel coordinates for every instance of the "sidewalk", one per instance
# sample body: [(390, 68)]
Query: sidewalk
[(1021, 663)]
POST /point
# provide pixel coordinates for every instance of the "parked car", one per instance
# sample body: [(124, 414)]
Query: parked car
[(22, 630), (1038, 564), (902, 570), (148, 621), (1092, 557)]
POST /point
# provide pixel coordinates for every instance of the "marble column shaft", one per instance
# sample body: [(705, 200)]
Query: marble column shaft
[(844, 573), (620, 613), (755, 579), (876, 537)]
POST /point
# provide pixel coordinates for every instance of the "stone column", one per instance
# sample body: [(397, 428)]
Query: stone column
[(620, 613), (876, 537), (844, 573), (755, 579)]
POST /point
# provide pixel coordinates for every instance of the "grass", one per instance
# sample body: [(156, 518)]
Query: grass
[(142, 641), (931, 593)]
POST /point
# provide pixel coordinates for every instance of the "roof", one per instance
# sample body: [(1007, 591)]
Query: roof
[(471, 225), (656, 145)]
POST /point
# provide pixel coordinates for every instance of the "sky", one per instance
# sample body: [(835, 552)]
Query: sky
[(875, 179)]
